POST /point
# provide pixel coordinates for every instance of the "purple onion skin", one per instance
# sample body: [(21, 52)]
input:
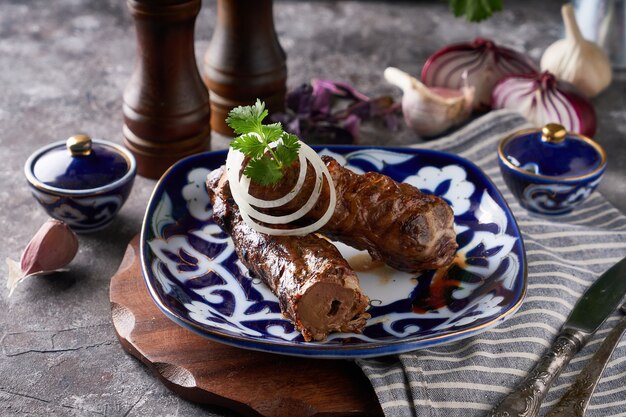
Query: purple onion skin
[(478, 57), (547, 83)]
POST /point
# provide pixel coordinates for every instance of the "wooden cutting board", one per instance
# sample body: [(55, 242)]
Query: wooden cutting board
[(251, 383)]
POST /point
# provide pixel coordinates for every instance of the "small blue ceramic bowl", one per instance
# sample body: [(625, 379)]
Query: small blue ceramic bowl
[(82, 181), (551, 171)]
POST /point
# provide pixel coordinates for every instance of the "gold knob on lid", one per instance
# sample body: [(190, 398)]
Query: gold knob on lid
[(79, 145), (553, 133)]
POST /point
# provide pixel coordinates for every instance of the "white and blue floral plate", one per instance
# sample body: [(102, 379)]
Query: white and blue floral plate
[(196, 279)]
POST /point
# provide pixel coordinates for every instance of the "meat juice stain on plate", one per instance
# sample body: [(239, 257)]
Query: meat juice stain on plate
[(442, 285), (363, 262), (379, 281)]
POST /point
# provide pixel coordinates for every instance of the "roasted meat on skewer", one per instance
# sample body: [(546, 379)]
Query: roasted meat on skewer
[(397, 223), (314, 284)]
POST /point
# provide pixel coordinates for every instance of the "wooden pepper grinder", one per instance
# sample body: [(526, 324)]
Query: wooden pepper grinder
[(244, 61), (166, 105)]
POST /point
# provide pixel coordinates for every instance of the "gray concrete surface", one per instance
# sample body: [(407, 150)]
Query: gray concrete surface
[(63, 66)]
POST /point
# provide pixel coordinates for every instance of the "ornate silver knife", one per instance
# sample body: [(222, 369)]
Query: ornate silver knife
[(596, 304), (575, 401)]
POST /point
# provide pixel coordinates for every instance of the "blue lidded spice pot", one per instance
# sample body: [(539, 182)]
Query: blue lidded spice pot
[(82, 181), (549, 170)]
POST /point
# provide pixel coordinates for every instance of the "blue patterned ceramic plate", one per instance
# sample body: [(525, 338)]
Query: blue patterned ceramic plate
[(196, 279)]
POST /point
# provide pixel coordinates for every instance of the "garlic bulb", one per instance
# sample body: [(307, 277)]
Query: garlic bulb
[(52, 248), (577, 60), (430, 111)]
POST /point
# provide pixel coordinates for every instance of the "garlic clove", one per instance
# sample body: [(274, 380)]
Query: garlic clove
[(430, 111), (50, 250), (577, 60), (53, 246), (15, 275)]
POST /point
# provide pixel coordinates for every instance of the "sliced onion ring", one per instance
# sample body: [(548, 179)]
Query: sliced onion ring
[(245, 206), (239, 191), (258, 202)]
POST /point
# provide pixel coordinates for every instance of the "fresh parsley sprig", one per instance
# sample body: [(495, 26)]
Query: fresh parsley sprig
[(267, 163), (475, 10)]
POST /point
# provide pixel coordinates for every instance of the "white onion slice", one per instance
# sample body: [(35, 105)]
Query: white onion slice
[(241, 198), (239, 191), (257, 202), (245, 207)]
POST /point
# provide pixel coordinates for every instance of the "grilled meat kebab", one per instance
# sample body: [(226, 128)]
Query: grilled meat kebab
[(315, 286), (395, 222)]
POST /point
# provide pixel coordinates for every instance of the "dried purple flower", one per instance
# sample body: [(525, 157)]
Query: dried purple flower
[(331, 112)]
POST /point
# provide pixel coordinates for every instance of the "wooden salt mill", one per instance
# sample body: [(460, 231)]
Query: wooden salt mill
[(166, 105), (244, 61)]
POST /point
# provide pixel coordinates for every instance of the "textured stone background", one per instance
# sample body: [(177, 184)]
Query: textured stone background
[(63, 66)]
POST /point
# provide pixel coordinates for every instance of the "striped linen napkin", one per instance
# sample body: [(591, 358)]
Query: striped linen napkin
[(565, 254)]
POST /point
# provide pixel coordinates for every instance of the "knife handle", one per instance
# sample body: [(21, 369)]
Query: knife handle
[(575, 401), (525, 400)]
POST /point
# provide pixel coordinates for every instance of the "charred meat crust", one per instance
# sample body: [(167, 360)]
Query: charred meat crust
[(395, 222), (315, 286)]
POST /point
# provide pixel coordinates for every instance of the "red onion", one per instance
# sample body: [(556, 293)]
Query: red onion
[(485, 62), (543, 99)]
